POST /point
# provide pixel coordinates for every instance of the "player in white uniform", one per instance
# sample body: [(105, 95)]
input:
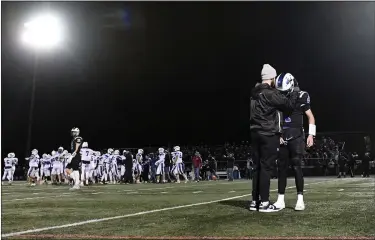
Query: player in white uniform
[(121, 167), (45, 168), (113, 173), (67, 156), (86, 156), (9, 162), (106, 163), (93, 165), (55, 163), (99, 166), (137, 165), (61, 159), (178, 167), (15, 162), (33, 173), (160, 166)]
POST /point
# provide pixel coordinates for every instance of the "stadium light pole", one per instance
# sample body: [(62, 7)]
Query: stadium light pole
[(42, 33)]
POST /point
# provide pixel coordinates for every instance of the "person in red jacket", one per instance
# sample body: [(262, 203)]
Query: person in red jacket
[(197, 164)]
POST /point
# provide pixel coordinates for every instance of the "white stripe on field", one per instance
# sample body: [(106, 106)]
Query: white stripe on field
[(134, 214)]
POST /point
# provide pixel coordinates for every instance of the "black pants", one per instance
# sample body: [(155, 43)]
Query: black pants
[(291, 154), (265, 152), (366, 168), (146, 170), (351, 170), (128, 173), (74, 164)]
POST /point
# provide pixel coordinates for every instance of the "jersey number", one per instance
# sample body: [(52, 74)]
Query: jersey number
[(87, 153)]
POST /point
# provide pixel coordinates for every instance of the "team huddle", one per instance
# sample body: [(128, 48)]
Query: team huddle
[(85, 166)]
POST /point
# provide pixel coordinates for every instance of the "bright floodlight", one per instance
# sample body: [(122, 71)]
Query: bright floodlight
[(42, 32)]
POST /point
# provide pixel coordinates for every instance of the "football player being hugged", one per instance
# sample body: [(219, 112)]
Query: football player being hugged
[(293, 139), (178, 167), (33, 173), (9, 163), (160, 166), (137, 165), (72, 168), (86, 157)]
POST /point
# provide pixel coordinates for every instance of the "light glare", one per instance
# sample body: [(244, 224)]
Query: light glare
[(42, 32)]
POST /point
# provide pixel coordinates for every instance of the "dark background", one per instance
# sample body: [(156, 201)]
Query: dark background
[(135, 73)]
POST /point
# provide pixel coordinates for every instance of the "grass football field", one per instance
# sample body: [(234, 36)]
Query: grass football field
[(334, 208)]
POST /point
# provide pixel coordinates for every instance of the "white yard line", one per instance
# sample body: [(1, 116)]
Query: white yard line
[(340, 190), (136, 214), (32, 198), (97, 192), (197, 191)]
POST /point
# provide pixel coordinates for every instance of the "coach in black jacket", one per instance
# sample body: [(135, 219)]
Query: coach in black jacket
[(266, 107)]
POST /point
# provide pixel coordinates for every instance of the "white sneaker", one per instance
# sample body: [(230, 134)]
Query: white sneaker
[(81, 184), (300, 206), (279, 204)]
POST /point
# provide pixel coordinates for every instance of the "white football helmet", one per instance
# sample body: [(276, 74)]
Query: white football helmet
[(161, 150), (44, 155), (176, 148), (85, 144), (285, 82), (116, 152), (75, 132), (140, 151), (65, 152), (34, 152), (9, 155), (124, 152), (60, 150), (53, 153), (12, 154), (110, 151), (98, 153)]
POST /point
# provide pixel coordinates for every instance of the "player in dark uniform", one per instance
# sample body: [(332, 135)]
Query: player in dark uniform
[(72, 168), (293, 142)]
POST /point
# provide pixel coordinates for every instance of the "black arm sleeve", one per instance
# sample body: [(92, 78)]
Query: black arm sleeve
[(283, 103)]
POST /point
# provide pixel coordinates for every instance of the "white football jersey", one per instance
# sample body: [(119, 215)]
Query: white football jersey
[(161, 158), (86, 154), (46, 162), (139, 158), (106, 158), (99, 159), (8, 162), (114, 159), (55, 160), (34, 161), (177, 157)]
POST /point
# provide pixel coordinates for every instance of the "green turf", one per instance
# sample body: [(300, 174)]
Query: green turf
[(334, 207)]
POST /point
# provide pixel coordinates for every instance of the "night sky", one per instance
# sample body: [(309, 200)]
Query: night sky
[(134, 73)]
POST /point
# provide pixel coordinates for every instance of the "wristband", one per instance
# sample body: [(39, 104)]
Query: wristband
[(312, 129)]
